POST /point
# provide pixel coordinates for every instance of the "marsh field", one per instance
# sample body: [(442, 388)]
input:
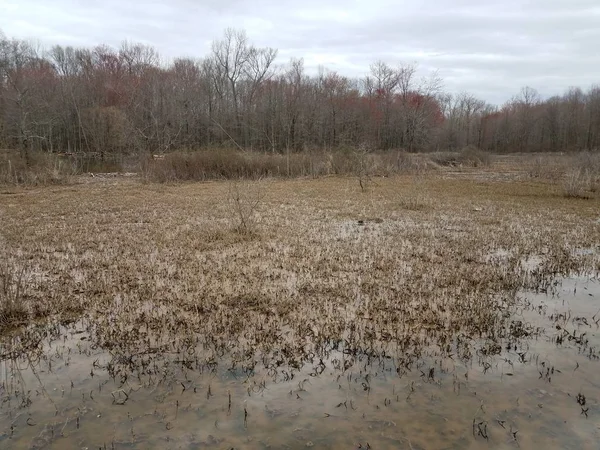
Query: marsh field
[(454, 309)]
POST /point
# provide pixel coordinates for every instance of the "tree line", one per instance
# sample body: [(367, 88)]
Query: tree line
[(107, 100)]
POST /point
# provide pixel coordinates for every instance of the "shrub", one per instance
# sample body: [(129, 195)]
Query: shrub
[(403, 162), (471, 156), (577, 184), (445, 159), (588, 164), (546, 167), (244, 201)]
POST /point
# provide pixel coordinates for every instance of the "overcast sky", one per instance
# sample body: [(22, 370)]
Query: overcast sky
[(490, 48)]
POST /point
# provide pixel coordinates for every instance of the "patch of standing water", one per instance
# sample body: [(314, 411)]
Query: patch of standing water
[(586, 251), (543, 392)]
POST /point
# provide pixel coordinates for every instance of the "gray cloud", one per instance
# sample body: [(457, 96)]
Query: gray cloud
[(491, 48)]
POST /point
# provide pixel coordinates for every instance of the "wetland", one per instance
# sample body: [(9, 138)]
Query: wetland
[(425, 312)]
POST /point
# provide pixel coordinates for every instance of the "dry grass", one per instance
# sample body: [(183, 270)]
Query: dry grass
[(13, 292), (474, 157), (218, 164), (550, 167), (326, 266), (253, 287), (34, 169), (577, 184), (578, 173), (469, 156)]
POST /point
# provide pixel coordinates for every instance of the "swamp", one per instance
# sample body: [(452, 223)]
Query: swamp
[(446, 310)]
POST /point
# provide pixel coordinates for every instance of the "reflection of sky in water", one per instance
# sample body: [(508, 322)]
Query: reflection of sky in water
[(531, 392)]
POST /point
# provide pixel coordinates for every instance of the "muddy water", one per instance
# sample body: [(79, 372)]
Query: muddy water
[(531, 397)]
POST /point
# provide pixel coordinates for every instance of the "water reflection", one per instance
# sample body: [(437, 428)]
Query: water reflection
[(536, 388)]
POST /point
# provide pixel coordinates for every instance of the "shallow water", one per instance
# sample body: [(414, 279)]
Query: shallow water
[(529, 396)]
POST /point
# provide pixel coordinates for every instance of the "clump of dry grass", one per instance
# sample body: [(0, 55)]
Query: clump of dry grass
[(577, 184), (409, 163), (579, 173), (470, 156), (415, 203), (444, 159), (13, 290), (546, 167), (214, 164), (588, 164), (34, 169)]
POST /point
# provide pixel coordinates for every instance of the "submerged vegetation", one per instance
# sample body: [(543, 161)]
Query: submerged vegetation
[(200, 301)]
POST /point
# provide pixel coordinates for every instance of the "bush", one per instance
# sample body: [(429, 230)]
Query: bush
[(577, 184), (471, 156), (579, 173), (244, 202), (588, 161), (445, 159), (546, 167), (588, 164)]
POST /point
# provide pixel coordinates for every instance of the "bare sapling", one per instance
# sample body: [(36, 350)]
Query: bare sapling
[(363, 167), (244, 199)]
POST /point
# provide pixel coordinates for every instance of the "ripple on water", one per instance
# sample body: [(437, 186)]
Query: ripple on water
[(526, 397)]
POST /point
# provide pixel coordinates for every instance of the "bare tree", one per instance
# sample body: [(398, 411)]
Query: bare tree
[(127, 99)]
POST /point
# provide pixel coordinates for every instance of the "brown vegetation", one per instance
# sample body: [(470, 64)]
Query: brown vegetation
[(154, 286), (91, 245), (34, 169), (220, 164), (469, 156), (14, 283), (324, 246), (578, 173)]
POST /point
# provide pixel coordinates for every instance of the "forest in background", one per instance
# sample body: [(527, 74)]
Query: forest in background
[(124, 101)]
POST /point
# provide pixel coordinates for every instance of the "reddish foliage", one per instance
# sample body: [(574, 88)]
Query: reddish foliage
[(39, 73), (491, 117)]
